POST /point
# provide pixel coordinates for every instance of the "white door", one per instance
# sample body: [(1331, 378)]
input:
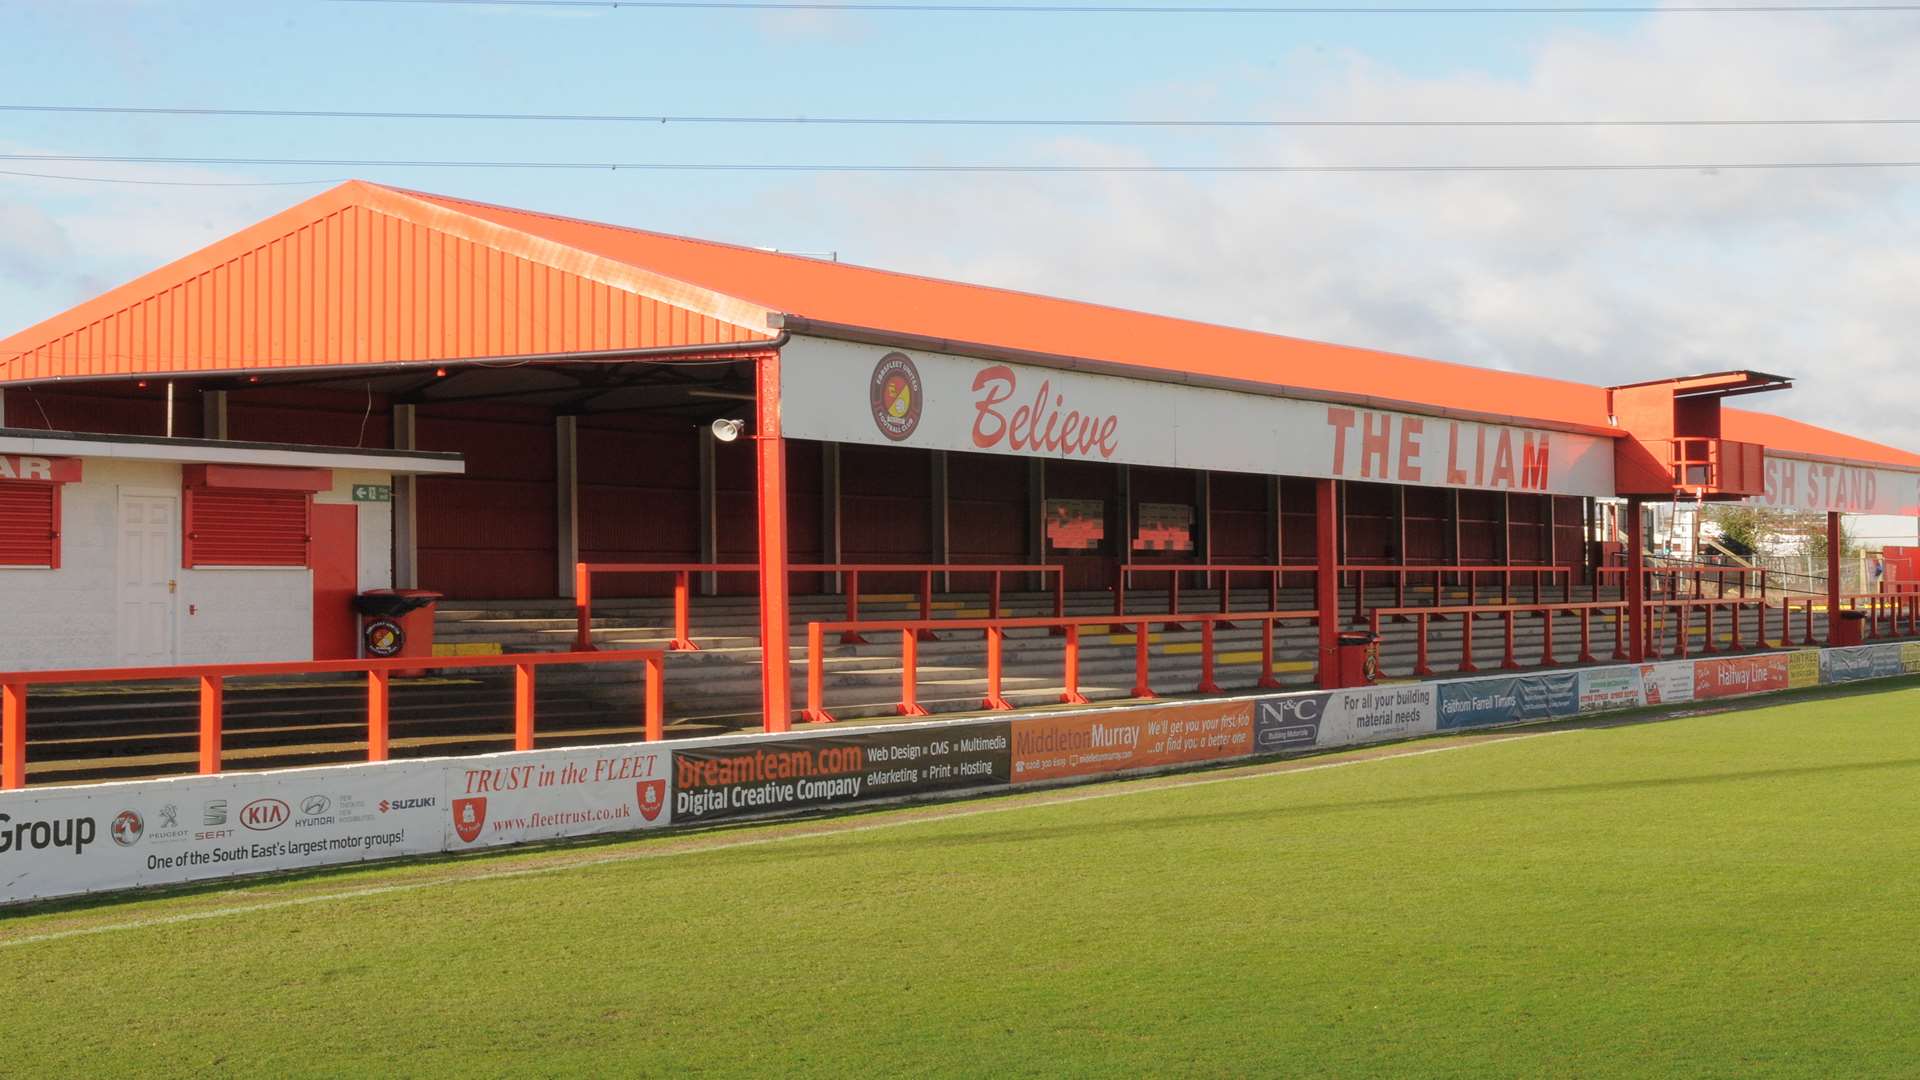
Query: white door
[(149, 578)]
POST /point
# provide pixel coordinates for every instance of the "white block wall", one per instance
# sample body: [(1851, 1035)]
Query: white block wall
[(67, 618)]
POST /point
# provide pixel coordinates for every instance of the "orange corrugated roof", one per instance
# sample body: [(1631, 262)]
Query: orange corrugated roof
[(723, 292), (362, 274)]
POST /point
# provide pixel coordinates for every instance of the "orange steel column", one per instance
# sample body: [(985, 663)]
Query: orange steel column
[(1833, 573), (523, 706), (379, 713), (776, 660), (211, 707), (1326, 530), (13, 735), (1636, 587)]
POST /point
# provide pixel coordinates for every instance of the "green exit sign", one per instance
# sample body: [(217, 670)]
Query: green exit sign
[(372, 493)]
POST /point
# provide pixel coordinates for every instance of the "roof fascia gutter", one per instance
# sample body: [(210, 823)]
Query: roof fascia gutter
[(798, 324), (613, 356), (91, 444)]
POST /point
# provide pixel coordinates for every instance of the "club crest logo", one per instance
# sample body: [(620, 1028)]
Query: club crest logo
[(894, 393), (653, 796), (468, 816)]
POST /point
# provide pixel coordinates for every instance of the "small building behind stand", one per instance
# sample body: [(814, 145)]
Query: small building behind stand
[(134, 551)]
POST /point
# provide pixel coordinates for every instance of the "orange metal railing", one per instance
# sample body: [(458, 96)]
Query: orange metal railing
[(913, 631), (583, 575), (212, 680)]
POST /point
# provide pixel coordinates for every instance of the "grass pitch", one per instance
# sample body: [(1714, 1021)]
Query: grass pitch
[(1731, 894)]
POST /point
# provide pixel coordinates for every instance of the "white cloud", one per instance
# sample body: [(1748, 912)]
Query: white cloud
[(1605, 277)]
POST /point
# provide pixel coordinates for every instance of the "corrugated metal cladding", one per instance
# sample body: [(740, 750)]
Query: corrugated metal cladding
[(360, 286)]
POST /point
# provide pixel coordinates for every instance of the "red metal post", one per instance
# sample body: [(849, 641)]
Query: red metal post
[(13, 736), (1683, 640), (1207, 685), (1739, 608), (682, 613), (1420, 665), (1467, 666), (1142, 685), (1071, 694), (1619, 638), (379, 713), (211, 714), (910, 675), (1636, 589), (926, 603), (1173, 600), (816, 675), (1809, 635), (523, 706), (996, 643), (776, 660), (850, 636), (656, 716), (1546, 638), (1327, 583), (1119, 589), (1586, 635), (582, 608), (1509, 660), (1267, 681), (1710, 646)]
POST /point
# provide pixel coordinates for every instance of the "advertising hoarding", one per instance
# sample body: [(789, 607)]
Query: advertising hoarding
[(548, 794), (1379, 712), (1058, 747), (838, 391), (1289, 723), (1806, 486), (61, 841), (1610, 688), (1479, 702), (749, 777), (1668, 683), (1737, 675)]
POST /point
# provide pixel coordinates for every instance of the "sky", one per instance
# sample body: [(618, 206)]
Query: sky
[(1597, 276)]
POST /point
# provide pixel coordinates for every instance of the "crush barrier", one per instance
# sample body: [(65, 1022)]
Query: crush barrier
[(117, 836), (211, 680), (1405, 579), (913, 631), (682, 573), (1668, 579)]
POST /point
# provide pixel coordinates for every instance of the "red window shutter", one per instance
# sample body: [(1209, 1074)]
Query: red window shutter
[(29, 524), (245, 527)]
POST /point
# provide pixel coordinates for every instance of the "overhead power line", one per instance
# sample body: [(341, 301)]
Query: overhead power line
[(145, 182), (1160, 9), (1038, 169), (940, 121)]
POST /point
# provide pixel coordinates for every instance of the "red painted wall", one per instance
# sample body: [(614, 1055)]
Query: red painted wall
[(489, 534), (987, 508), (1242, 518)]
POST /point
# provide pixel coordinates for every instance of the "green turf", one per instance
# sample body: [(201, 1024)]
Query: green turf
[(1735, 894)]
